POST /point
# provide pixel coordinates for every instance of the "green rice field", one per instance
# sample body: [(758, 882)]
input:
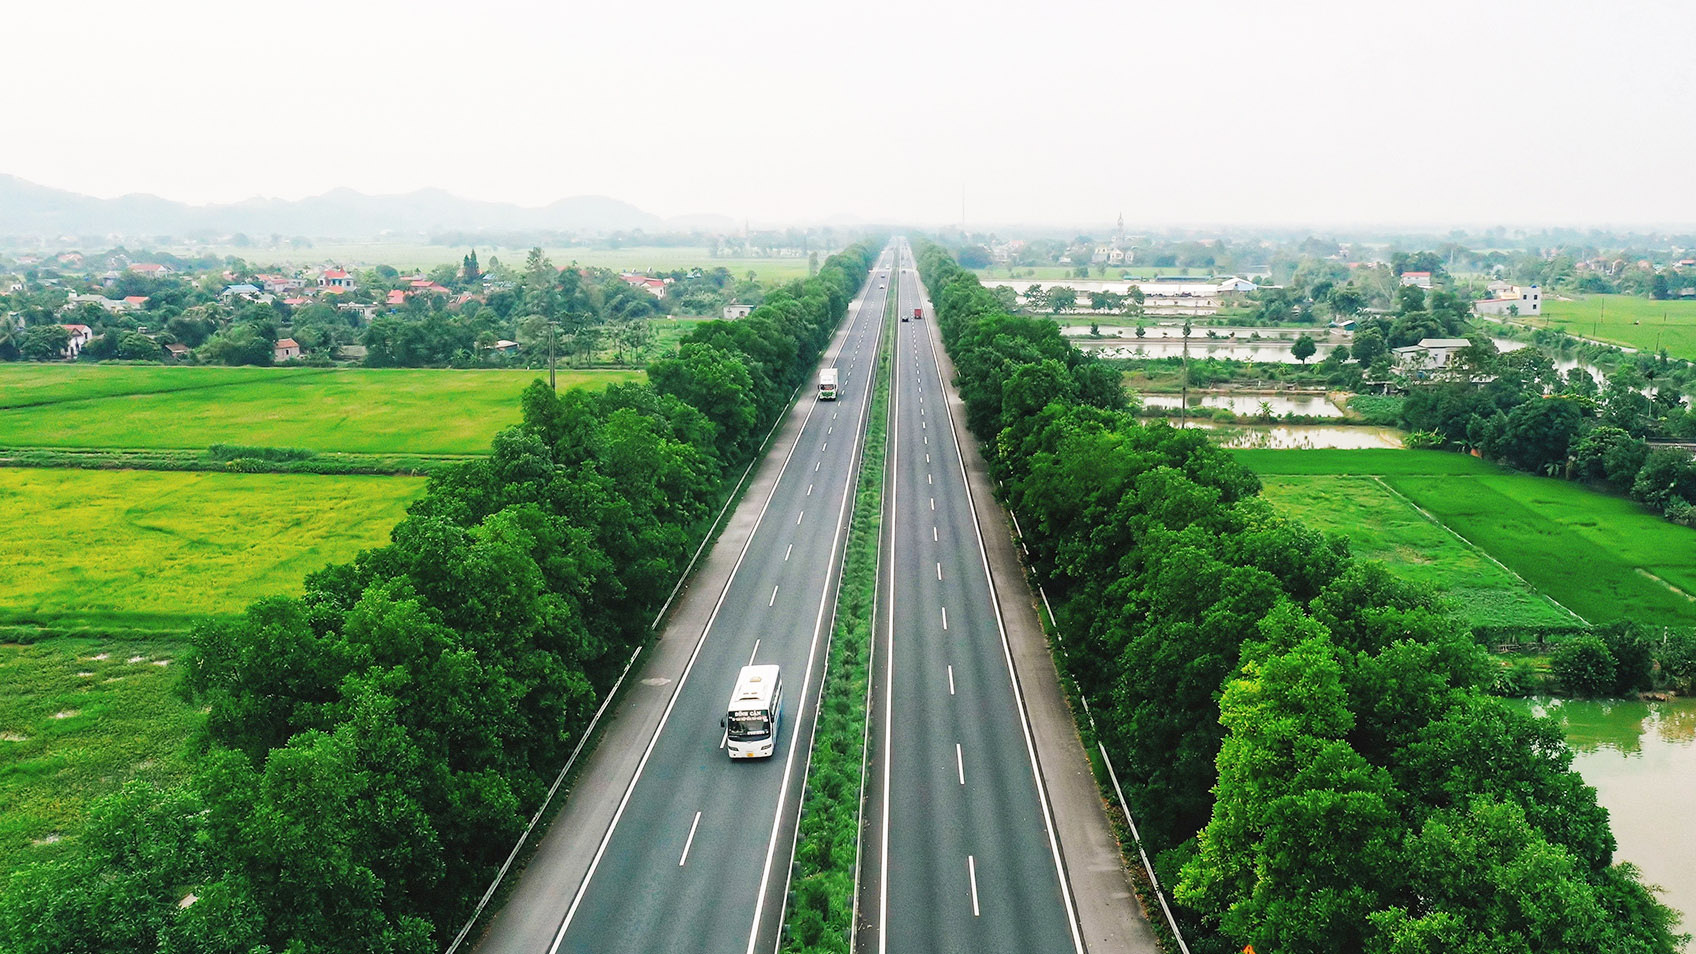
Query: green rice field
[(1599, 556), (1626, 320), (79, 717), (350, 410), (96, 550)]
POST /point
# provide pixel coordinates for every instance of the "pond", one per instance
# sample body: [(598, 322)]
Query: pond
[(1298, 436), (1312, 405), (1641, 759)]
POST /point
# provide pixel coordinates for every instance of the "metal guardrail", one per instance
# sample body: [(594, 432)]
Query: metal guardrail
[(1107, 760)]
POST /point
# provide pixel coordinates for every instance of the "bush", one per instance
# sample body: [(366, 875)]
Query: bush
[(230, 452)]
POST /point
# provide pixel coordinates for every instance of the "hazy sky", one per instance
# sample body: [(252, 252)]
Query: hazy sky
[(1061, 111)]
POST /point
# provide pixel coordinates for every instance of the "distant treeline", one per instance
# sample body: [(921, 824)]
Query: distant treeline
[(374, 746), (1306, 740)]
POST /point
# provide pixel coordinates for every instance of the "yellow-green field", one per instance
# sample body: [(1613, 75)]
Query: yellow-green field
[(1625, 320), (407, 256), (1600, 556), (351, 410), (94, 549)]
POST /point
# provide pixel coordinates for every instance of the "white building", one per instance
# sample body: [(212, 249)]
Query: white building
[(1419, 279), (1430, 354), (737, 310), (1506, 299)]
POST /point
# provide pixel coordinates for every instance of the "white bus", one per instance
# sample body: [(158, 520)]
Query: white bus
[(756, 711)]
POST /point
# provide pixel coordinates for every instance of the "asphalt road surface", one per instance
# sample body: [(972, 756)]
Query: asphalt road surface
[(696, 852), (963, 856)]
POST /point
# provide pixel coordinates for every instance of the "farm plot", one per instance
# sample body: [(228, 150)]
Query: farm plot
[(93, 550), (417, 411), (79, 717), (1602, 557)]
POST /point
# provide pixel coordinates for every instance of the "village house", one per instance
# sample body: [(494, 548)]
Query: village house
[(286, 350), (736, 310), (1509, 299), (1430, 354), (150, 270), (335, 280), (176, 352), (653, 286), (80, 336), (1417, 279), (245, 292)]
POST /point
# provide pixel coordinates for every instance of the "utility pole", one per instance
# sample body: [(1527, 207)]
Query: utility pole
[(552, 386)]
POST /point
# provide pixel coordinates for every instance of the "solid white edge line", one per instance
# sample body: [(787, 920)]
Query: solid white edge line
[(827, 600), (1018, 694), (690, 841), (677, 690)]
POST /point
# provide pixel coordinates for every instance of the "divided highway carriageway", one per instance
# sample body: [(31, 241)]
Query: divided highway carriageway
[(668, 846)]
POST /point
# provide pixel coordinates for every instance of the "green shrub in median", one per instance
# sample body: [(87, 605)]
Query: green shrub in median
[(821, 905)]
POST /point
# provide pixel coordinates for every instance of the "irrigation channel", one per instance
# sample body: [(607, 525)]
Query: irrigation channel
[(1641, 758)]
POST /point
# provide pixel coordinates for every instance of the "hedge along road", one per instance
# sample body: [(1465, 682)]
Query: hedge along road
[(966, 852), (666, 845)]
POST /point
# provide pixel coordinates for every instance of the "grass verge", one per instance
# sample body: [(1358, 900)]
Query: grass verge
[(821, 905)]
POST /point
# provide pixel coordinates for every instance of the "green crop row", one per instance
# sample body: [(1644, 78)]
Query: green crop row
[(821, 905)]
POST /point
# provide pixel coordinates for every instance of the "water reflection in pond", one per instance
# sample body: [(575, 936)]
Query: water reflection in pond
[(1641, 758), (1312, 405), (1297, 436)]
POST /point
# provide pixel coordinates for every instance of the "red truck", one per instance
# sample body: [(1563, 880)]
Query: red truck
[(919, 313)]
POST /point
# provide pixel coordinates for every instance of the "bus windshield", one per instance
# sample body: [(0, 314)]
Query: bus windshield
[(749, 726)]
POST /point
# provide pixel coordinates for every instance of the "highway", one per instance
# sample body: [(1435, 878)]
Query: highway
[(961, 851), (695, 855)]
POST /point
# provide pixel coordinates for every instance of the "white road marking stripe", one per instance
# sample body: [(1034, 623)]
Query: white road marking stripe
[(972, 872), (960, 763), (690, 841), (799, 516), (809, 490), (933, 533), (939, 571), (773, 599), (945, 617), (787, 552), (950, 680)]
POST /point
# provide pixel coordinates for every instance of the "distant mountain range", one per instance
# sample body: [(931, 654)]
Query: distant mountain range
[(31, 210)]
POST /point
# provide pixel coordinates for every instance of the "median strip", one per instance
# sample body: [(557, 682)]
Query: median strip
[(822, 887)]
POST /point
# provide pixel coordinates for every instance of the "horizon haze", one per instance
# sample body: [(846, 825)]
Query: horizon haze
[(1214, 113)]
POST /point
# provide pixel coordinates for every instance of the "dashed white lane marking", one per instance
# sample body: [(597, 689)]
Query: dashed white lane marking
[(799, 516), (933, 503), (787, 552), (772, 601), (945, 617), (939, 571), (960, 763), (809, 490), (972, 872), (932, 534), (689, 841), (950, 680)]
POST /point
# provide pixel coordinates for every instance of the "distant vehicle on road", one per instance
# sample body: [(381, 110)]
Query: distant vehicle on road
[(756, 713), (919, 313), (827, 384)]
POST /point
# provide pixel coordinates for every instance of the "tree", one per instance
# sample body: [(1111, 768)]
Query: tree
[(1061, 298), (1303, 349), (1584, 666), (45, 343), (139, 347), (1668, 474), (1539, 432), (1658, 287), (1368, 345)]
